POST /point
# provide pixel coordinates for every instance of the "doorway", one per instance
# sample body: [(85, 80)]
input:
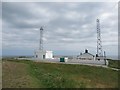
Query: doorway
[(36, 56), (43, 56)]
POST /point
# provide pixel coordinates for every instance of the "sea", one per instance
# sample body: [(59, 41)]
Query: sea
[(113, 57)]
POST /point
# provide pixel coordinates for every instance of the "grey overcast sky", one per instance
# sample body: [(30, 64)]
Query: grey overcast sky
[(69, 28)]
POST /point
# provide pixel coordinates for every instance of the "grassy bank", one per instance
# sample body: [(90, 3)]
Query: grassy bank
[(51, 75), (16, 75), (114, 63)]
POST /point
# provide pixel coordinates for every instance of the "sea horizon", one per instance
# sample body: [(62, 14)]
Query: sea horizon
[(114, 57)]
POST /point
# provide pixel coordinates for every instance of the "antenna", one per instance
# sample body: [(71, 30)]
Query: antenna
[(99, 42), (41, 39)]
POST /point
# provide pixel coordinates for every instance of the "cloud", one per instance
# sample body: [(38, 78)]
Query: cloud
[(67, 26)]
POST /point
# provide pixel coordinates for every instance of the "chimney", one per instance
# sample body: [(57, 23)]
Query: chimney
[(86, 51)]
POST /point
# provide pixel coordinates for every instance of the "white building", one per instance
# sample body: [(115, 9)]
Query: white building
[(86, 56), (43, 54)]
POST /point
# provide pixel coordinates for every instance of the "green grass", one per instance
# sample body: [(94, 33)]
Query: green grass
[(114, 63), (52, 75)]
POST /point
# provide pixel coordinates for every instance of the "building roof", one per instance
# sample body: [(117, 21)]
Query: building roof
[(88, 53)]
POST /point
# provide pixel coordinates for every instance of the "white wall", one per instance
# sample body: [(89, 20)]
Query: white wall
[(94, 62), (49, 54), (86, 56), (39, 54)]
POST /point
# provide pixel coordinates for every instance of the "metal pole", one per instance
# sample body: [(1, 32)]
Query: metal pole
[(105, 57)]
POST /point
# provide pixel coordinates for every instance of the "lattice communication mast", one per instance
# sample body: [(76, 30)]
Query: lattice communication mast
[(99, 42), (41, 39)]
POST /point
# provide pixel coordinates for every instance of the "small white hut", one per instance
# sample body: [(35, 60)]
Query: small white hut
[(43, 54)]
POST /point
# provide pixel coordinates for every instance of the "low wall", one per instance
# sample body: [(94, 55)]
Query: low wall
[(98, 62), (74, 61)]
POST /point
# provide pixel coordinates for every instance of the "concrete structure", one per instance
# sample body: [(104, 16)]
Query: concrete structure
[(89, 62), (86, 56), (43, 54), (100, 58)]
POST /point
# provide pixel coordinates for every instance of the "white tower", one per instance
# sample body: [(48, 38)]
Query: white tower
[(42, 54), (99, 42), (41, 39)]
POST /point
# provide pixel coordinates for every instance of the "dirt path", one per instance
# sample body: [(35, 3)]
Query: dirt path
[(15, 75)]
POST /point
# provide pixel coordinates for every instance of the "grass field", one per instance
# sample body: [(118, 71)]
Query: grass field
[(31, 74), (114, 63)]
